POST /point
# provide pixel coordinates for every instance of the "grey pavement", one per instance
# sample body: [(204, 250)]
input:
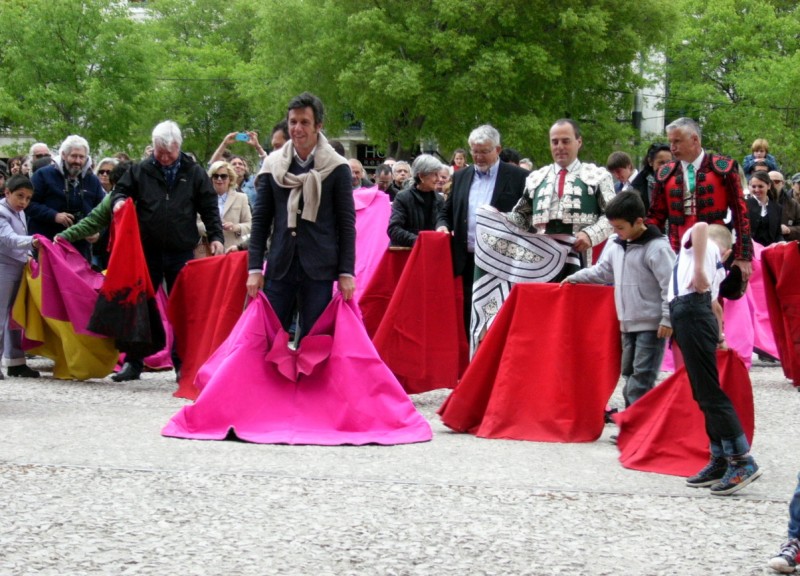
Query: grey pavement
[(88, 486)]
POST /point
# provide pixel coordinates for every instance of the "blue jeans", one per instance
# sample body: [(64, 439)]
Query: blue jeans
[(794, 512), (642, 353)]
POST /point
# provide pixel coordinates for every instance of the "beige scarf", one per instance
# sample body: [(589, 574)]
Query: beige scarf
[(309, 185)]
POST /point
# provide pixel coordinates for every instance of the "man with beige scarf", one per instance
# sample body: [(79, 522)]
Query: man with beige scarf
[(304, 195)]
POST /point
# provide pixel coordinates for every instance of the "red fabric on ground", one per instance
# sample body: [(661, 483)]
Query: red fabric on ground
[(420, 338), (545, 369), (375, 298), (664, 431), (781, 274), (206, 301)]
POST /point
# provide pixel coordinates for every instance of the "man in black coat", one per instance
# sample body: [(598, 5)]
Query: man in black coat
[(170, 190), (487, 181), (305, 196)]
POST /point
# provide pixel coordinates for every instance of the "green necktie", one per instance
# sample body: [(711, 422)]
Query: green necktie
[(690, 177)]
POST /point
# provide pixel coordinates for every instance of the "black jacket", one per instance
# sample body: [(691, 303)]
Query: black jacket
[(765, 230), (168, 216), (412, 212), (325, 248)]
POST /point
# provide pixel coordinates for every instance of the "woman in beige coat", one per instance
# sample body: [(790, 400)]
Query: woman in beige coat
[(234, 209)]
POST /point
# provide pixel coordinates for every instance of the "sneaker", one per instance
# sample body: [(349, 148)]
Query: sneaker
[(786, 560), (713, 472), (22, 371), (742, 470)]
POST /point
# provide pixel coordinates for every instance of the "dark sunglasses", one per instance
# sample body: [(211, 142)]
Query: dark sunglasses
[(220, 176), (37, 156), (103, 172)]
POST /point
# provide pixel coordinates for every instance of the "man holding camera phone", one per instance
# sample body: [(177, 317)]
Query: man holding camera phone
[(65, 192)]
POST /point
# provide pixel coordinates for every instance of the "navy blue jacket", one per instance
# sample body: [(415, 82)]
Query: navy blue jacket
[(50, 197)]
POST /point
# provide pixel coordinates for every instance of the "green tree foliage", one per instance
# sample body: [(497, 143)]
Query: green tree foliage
[(440, 68), (734, 66), (199, 45), (72, 67)]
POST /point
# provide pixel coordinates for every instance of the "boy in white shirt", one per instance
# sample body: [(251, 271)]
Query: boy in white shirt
[(697, 326)]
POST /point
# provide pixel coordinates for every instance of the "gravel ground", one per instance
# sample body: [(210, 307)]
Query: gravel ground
[(88, 486)]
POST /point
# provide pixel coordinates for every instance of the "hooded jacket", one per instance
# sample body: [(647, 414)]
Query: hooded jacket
[(640, 271)]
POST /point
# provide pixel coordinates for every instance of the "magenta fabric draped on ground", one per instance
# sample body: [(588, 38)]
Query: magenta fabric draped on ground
[(69, 285), (333, 390)]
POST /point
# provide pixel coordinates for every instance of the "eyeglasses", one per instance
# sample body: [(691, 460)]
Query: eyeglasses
[(219, 176), (778, 181), (103, 172), (37, 156)]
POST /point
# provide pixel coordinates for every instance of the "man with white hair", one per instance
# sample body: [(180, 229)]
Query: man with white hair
[(39, 150), (488, 180), (64, 192), (700, 187), (170, 190)]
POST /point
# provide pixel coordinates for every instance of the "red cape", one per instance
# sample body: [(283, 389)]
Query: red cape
[(664, 431), (126, 307), (781, 274), (421, 336), (375, 298), (206, 301), (546, 368)]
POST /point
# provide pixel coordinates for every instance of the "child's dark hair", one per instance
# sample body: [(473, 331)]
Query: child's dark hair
[(626, 206), (18, 182)]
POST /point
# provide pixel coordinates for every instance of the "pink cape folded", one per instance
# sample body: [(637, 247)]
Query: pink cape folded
[(546, 368), (421, 336), (782, 286), (664, 431), (333, 390)]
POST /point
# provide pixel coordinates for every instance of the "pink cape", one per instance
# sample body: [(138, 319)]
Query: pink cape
[(333, 390), (546, 368), (782, 287), (421, 336), (373, 210), (664, 431)]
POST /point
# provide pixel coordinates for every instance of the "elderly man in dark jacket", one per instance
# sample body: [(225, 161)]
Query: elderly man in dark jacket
[(64, 192), (169, 189)]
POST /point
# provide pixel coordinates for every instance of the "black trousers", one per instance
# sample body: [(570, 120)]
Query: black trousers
[(163, 266), (696, 332)]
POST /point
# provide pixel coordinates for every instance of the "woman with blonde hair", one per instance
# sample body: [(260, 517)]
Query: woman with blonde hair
[(234, 209)]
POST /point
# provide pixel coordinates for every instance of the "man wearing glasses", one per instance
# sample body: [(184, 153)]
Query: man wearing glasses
[(64, 192), (487, 180), (170, 190), (39, 150)]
